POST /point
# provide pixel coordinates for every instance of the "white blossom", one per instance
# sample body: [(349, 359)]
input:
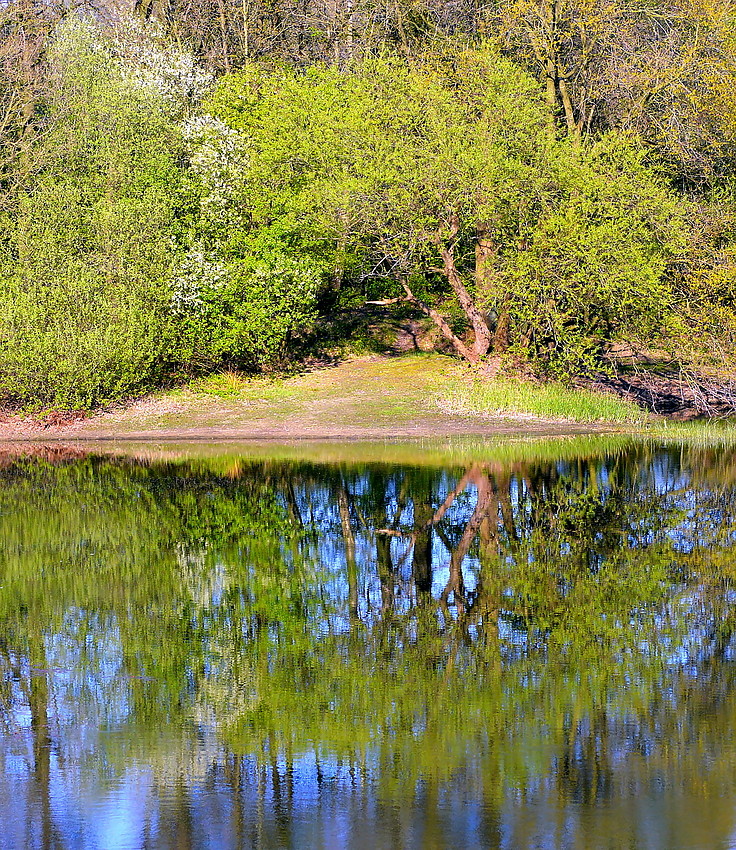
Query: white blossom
[(156, 66), (196, 276), (217, 155)]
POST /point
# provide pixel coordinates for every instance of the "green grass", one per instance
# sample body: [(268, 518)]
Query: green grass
[(384, 394), (220, 384), (700, 433), (369, 386), (234, 385), (546, 401), (396, 387)]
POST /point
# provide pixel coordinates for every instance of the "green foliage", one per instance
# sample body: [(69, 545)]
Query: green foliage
[(601, 262), (116, 264), (243, 312), (84, 313), (388, 163)]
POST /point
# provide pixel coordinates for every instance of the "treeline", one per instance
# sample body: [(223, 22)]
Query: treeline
[(184, 187)]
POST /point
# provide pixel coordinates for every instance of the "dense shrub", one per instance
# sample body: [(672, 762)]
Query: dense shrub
[(125, 256), (84, 294), (243, 312)]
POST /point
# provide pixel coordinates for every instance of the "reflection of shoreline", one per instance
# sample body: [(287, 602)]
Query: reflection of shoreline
[(431, 452), (50, 452), (433, 656)]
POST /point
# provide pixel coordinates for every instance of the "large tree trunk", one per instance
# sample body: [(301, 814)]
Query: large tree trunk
[(487, 286), (466, 353), (482, 332)]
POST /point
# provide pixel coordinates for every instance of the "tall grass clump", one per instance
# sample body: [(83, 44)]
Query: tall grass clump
[(546, 401)]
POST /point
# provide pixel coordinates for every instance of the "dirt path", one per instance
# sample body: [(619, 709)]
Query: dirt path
[(366, 398)]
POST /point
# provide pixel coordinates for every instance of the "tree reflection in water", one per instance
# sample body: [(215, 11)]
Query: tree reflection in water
[(272, 654)]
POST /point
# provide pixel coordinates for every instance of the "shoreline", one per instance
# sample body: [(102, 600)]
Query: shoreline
[(506, 427), (369, 398)]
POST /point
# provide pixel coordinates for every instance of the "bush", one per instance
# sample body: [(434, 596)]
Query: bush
[(600, 261), (243, 312), (84, 266), (127, 255)]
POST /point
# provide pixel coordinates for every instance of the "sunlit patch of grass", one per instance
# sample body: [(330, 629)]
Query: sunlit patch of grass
[(700, 433), (236, 386), (545, 401), (227, 384)]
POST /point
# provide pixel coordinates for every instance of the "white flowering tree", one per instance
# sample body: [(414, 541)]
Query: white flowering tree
[(126, 254)]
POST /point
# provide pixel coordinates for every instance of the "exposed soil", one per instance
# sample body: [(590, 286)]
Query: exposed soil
[(396, 395), (365, 399), (316, 426)]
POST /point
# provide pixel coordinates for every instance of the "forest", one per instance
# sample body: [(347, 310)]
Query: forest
[(187, 187)]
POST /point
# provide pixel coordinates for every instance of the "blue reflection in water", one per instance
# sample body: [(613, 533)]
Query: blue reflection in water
[(505, 655)]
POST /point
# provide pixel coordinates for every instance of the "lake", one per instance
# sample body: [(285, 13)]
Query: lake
[(459, 645)]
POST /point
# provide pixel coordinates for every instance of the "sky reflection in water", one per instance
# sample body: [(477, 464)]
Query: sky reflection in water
[(511, 652)]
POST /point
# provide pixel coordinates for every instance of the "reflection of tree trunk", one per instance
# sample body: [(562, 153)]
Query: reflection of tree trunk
[(503, 489), (422, 555), (291, 504), (184, 832), (486, 610), (456, 583), (38, 698), (385, 571), (425, 523), (281, 808), (234, 776), (488, 530), (350, 561), (723, 618), (584, 769), (441, 510), (289, 776), (451, 496)]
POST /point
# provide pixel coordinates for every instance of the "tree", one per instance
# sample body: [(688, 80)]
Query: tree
[(664, 72), (119, 259), (84, 264), (448, 172), (25, 29)]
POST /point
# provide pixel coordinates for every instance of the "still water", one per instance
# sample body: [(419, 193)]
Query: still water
[(524, 647)]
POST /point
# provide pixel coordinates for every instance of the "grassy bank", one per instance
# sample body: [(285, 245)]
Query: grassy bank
[(503, 397), (411, 395), (427, 378), (394, 389)]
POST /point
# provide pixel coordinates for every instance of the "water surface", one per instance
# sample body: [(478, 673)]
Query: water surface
[(527, 648)]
